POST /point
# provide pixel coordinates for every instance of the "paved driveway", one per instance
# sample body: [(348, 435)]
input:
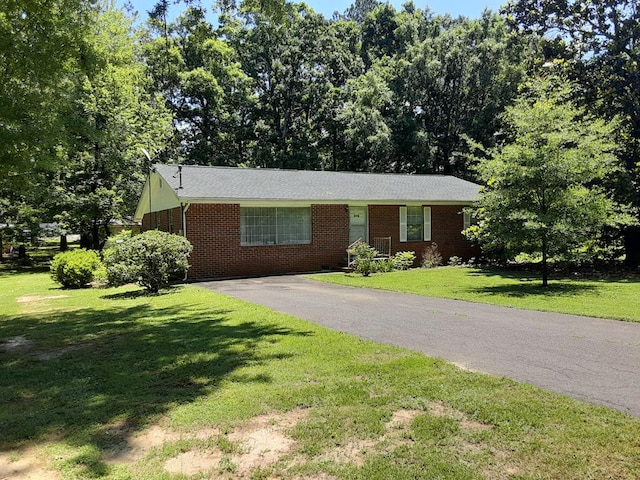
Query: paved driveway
[(587, 358)]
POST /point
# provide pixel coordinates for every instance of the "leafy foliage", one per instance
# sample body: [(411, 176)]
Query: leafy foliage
[(542, 193), (75, 268), (367, 260), (151, 259), (600, 42), (40, 44), (403, 260), (274, 84), (364, 258), (111, 117)]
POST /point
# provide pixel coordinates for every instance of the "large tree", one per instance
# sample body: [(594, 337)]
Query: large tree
[(541, 194), (41, 43), (455, 84), (111, 118), (604, 36), (199, 75)]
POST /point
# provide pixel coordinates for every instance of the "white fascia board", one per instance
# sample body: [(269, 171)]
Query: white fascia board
[(253, 202)]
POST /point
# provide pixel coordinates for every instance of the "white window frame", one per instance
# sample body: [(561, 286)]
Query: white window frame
[(426, 225)]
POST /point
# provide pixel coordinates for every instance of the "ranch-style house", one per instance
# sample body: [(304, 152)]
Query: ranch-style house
[(254, 221)]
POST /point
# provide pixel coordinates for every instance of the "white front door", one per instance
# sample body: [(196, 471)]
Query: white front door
[(358, 225)]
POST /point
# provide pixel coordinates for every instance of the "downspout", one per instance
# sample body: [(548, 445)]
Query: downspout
[(184, 207)]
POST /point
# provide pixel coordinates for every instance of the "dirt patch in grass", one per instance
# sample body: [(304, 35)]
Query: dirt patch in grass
[(260, 442), (26, 346), (263, 441), (132, 447), (39, 303), (25, 464), (38, 298), (438, 409), (354, 452), (18, 344)]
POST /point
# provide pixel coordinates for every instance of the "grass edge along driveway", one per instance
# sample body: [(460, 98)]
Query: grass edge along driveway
[(88, 374), (616, 297)]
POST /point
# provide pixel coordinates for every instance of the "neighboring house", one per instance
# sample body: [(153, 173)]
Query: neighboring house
[(245, 222)]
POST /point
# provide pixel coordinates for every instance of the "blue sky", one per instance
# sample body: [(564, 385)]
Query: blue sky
[(469, 8)]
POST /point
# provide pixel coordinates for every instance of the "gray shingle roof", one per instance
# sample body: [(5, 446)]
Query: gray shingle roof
[(227, 183)]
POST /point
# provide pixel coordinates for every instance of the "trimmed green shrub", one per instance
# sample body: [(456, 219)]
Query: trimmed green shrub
[(151, 259), (75, 268), (403, 260)]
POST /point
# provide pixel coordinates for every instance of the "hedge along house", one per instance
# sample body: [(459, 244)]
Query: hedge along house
[(250, 222)]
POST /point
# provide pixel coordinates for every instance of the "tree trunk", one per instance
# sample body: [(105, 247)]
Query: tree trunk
[(95, 237), (545, 267), (632, 247), (64, 246), (85, 240)]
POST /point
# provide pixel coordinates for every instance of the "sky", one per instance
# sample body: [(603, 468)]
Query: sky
[(468, 8)]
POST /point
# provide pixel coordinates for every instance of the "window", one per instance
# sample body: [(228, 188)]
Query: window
[(275, 226), (468, 219), (415, 224)]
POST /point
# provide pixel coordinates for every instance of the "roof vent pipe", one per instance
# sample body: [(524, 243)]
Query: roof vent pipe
[(179, 173)]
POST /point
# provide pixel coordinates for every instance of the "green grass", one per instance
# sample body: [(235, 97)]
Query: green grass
[(617, 298), (96, 367)]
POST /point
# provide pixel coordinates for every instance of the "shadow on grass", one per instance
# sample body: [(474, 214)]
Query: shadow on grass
[(8, 268), (81, 372), (140, 292), (528, 284)]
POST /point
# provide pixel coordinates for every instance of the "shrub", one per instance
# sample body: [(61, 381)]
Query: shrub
[(151, 259), (454, 261), (431, 257), (118, 238), (384, 265), (403, 260), (75, 268), (364, 261)]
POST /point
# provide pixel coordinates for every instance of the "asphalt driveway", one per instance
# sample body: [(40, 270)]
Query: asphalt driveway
[(587, 358)]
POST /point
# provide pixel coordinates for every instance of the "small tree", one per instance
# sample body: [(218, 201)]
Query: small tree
[(543, 192), (151, 259)]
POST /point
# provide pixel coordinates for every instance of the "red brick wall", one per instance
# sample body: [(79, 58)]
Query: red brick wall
[(447, 221), (165, 220), (214, 232), (446, 224)]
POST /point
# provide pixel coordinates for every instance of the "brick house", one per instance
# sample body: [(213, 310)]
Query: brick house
[(246, 222)]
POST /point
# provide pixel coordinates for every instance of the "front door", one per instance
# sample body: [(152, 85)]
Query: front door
[(358, 224)]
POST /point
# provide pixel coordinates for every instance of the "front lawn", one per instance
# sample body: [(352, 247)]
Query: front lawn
[(115, 384), (617, 298)]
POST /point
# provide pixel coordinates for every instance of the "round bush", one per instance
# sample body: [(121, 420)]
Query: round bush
[(151, 259), (75, 268)]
